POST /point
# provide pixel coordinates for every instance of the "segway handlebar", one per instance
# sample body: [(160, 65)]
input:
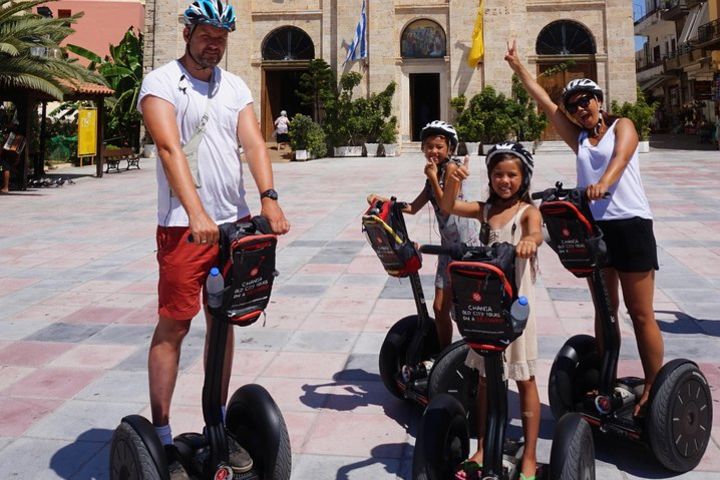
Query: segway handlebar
[(456, 252), (233, 230), (576, 195)]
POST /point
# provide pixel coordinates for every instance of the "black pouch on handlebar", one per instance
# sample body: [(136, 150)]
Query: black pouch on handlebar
[(574, 236), (483, 291), (384, 228), (249, 272)]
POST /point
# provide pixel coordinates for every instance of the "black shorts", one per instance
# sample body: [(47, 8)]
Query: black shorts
[(631, 244), (282, 138)]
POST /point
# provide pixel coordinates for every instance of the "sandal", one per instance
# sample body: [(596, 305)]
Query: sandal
[(468, 470)]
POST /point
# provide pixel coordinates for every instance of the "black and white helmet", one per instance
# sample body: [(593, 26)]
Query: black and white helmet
[(581, 85), (517, 150), (438, 127)]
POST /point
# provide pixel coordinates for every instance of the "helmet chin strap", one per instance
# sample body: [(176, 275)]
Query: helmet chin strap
[(199, 66)]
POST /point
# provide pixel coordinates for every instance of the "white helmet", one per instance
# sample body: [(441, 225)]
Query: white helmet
[(438, 127), (581, 85)]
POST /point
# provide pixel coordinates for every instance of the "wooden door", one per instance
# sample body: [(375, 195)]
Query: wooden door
[(554, 82)]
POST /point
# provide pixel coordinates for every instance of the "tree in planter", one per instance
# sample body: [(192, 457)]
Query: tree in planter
[(317, 87), (343, 122), (529, 125), (641, 113), (307, 135), (489, 116), (375, 113), (469, 128)]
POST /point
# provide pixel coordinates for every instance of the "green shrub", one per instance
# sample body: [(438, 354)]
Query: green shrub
[(641, 113), (307, 135), (529, 124)]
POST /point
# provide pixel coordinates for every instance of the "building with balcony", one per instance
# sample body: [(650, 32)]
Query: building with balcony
[(421, 45)]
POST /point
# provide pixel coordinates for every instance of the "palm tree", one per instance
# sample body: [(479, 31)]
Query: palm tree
[(20, 31)]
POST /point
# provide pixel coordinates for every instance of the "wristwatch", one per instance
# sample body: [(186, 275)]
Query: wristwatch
[(269, 193)]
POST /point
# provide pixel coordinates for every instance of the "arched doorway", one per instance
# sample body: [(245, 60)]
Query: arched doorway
[(286, 52), (422, 46), (566, 50)]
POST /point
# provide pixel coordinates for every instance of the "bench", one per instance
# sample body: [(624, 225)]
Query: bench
[(114, 156)]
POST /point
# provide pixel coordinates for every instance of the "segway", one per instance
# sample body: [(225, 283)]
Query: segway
[(411, 364), (253, 419), (678, 421), (490, 316)]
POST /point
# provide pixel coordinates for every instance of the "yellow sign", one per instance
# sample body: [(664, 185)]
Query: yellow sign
[(87, 132)]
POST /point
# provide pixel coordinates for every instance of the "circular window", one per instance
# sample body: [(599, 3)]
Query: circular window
[(565, 38), (423, 39), (288, 43)]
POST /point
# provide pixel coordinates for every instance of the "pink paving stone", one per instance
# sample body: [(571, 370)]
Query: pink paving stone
[(77, 297), (550, 325), (299, 425), (345, 305), (353, 292), (291, 305), (251, 362), (368, 264), (9, 285), (32, 354), (45, 311), (305, 365), (350, 434), (11, 374), (145, 315), (18, 414), (380, 322), (334, 322), (97, 314), (298, 394), (399, 308), (53, 383), (285, 320), (183, 418), (101, 286), (93, 356), (711, 460), (134, 300)]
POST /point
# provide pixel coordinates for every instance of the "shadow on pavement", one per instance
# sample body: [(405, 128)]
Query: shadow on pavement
[(630, 457), (687, 324), (66, 462), (381, 454)]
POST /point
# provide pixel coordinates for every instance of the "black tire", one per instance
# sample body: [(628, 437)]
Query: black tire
[(572, 456), (443, 441), (450, 375), (255, 420), (130, 456), (394, 349), (680, 415), (575, 371)]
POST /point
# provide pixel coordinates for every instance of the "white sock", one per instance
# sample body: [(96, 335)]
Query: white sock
[(164, 433)]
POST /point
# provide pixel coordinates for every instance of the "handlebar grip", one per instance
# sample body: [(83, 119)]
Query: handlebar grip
[(537, 195), (433, 249)]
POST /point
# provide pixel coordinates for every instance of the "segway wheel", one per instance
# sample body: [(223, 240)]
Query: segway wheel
[(680, 415), (572, 456), (394, 349), (450, 375), (443, 441), (574, 372), (133, 456), (255, 420)]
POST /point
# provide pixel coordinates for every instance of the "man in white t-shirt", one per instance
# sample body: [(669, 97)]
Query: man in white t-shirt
[(199, 187)]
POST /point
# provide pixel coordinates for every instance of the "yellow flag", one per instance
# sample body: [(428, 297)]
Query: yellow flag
[(477, 49)]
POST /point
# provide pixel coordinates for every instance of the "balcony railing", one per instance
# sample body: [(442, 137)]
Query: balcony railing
[(709, 32), (674, 9)]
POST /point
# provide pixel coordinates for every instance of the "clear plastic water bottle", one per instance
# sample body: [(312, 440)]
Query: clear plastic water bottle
[(520, 311), (214, 286)]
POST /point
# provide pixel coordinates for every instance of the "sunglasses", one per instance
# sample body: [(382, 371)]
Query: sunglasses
[(583, 102)]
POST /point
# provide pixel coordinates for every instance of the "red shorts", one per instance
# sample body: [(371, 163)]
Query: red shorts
[(184, 267)]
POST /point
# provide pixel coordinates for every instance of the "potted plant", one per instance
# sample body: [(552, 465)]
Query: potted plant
[(529, 124), (343, 123), (467, 125), (374, 115), (388, 138), (307, 138), (642, 115), (493, 115)]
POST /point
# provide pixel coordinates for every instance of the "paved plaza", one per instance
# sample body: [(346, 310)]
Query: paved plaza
[(78, 306)]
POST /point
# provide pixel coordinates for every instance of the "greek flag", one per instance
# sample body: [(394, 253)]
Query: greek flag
[(358, 49)]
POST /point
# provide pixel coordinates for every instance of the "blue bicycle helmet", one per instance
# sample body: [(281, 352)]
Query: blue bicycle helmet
[(210, 12)]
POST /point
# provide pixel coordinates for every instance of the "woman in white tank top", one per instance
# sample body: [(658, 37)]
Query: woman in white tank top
[(607, 161)]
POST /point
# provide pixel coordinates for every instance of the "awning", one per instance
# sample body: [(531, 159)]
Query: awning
[(697, 16), (654, 82)]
